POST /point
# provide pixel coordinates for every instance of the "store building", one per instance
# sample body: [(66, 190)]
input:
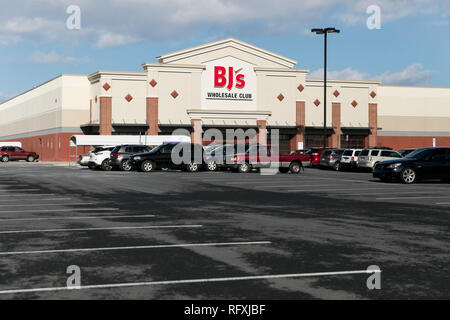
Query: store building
[(223, 85)]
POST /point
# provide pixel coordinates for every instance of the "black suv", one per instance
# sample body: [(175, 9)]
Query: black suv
[(425, 163), (185, 156), (121, 154)]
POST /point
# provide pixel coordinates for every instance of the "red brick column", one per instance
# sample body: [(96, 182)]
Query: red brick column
[(197, 134), (105, 115), (300, 120), (152, 116), (373, 124), (262, 131), (336, 123)]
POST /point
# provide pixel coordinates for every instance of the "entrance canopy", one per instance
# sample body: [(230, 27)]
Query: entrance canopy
[(10, 144), (99, 140)]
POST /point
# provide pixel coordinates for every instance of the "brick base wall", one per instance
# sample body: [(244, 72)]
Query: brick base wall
[(402, 142)]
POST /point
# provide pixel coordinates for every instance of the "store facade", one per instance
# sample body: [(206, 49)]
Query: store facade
[(221, 86)]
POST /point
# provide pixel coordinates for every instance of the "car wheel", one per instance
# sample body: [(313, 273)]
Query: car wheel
[(337, 166), (5, 159), (244, 167), (147, 166), (125, 166), (212, 166), (284, 170), (106, 166), (192, 167), (295, 167), (30, 159), (408, 176)]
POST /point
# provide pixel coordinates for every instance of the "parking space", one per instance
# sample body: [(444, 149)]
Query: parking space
[(209, 235)]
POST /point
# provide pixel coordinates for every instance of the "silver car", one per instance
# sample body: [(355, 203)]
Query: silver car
[(331, 158), (368, 158)]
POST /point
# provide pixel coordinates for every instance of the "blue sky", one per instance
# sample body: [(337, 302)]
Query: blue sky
[(411, 48)]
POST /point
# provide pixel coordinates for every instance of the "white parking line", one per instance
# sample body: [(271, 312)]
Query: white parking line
[(330, 189), (405, 198), (26, 194), (60, 210), (160, 246), (442, 203), (48, 204), (391, 192), (100, 229), (191, 281), (77, 218), (10, 190), (37, 199)]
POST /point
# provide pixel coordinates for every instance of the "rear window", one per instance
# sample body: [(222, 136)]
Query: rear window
[(348, 153), (364, 153), (357, 153), (326, 153), (116, 149), (375, 153)]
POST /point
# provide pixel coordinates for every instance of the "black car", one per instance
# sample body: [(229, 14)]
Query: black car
[(185, 156), (425, 163), (121, 154), (220, 157)]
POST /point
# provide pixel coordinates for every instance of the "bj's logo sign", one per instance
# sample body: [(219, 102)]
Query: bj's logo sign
[(228, 78)]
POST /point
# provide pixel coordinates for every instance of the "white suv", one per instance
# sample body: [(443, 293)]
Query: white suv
[(349, 159), (100, 158), (368, 158)]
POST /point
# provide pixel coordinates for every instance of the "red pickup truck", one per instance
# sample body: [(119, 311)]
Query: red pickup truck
[(16, 153), (260, 156)]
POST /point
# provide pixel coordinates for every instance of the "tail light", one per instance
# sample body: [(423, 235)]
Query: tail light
[(116, 155), (98, 153), (370, 159), (332, 156), (353, 158)]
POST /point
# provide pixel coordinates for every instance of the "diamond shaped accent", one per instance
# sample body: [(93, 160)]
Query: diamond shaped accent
[(301, 88), (354, 103), (106, 86), (336, 93), (317, 102), (129, 97), (174, 94), (153, 83), (280, 97), (373, 94)]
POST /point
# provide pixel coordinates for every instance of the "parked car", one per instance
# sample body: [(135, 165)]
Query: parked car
[(217, 157), (425, 163), (368, 158), (121, 154), (100, 159), (331, 158), (261, 156), (192, 157), (304, 156), (405, 152), (315, 155), (349, 159), (83, 159), (16, 153)]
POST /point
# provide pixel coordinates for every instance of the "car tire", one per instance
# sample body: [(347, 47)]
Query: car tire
[(192, 167), (30, 159), (125, 166), (295, 168), (284, 170), (244, 167), (337, 166), (408, 176), (5, 159), (106, 165), (211, 166), (147, 166)]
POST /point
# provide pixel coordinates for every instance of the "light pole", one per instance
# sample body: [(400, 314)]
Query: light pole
[(325, 32)]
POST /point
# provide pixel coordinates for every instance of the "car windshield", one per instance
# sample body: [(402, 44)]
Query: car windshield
[(364, 153), (348, 152), (418, 154)]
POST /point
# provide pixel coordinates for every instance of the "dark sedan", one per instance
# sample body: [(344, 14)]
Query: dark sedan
[(425, 163)]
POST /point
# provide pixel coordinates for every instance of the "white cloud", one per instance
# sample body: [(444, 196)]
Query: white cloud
[(52, 57), (412, 75), (113, 22)]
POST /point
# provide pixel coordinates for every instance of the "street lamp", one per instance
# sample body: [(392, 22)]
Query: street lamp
[(325, 32)]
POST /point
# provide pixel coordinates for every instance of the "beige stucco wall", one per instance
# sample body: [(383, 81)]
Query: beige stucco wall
[(414, 110), (58, 103), (124, 111)]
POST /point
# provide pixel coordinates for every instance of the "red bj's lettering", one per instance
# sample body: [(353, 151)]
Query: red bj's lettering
[(219, 77)]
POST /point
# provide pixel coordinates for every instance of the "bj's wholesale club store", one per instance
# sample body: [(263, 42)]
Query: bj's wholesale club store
[(224, 85)]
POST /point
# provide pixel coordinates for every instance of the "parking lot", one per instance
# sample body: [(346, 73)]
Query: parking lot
[(219, 235)]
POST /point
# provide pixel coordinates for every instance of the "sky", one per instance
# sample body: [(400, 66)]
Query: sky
[(408, 43)]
